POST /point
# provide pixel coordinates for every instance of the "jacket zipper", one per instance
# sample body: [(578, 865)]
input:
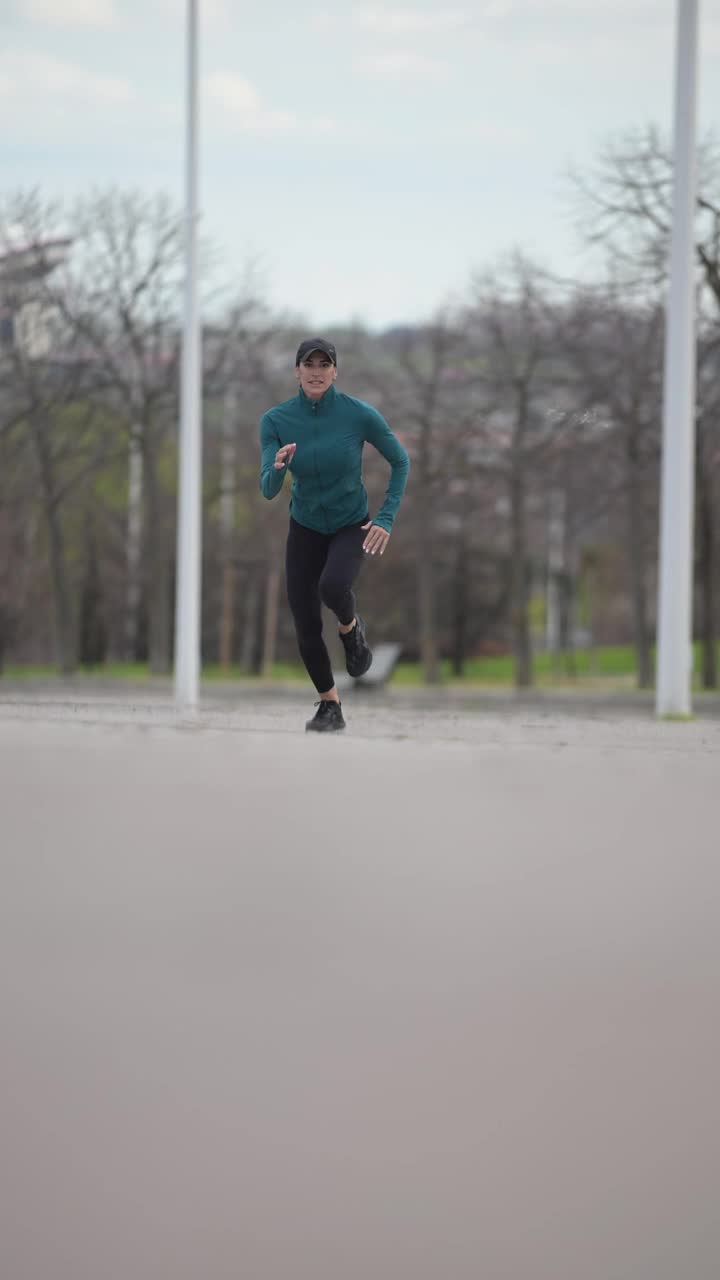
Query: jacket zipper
[(317, 472)]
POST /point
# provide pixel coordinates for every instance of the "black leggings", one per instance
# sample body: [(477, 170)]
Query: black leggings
[(320, 569)]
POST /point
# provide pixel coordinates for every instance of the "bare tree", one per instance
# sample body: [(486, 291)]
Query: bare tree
[(252, 370), (421, 381), (707, 471), (623, 207), (246, 380), (120, 294), (616, 349), (46, 384), (624, 204), (510, 319)]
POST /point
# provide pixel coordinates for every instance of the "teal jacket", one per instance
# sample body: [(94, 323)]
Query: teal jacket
[(327, 489)]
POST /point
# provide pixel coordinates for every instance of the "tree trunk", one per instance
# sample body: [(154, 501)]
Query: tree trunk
[(227, 527), (4, 587), (636, 536), (250, 622), (707, 573), (64, 619), (133, 547), (272, 603), (591, 594), (4, 631), (227, 615), (92, 632), (158, 585), (65, 638), (426, 604), (460, 607), (520, 593), (566, 623)]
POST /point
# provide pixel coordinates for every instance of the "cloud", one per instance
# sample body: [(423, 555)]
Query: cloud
[(70, 13), (548, 9), (403, 65), (574, 7), (36, 76), (387, 21), (710, 37), (246, 112), (383, 19), (49, 104), (210, 12), (495, 133)]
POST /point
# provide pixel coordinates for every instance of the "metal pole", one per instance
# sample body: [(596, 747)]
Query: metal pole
[(678, 462), (187, 616)]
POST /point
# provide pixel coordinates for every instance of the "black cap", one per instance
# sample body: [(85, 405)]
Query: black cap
[(307, 347)]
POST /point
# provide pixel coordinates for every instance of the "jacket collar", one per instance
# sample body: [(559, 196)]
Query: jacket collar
[(316, 407)]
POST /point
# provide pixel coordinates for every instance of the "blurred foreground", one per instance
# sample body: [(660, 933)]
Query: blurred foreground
[(434, 998)]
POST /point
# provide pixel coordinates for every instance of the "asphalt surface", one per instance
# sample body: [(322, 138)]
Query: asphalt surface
[(435, 998)]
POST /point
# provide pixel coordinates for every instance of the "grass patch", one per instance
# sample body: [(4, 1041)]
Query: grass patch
[(139, 672), (112, 671), (610, 668), (15, 672), (280, 671), (603, 664)]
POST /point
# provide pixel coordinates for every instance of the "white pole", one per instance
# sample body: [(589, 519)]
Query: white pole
[(187, 616), (678, 462)]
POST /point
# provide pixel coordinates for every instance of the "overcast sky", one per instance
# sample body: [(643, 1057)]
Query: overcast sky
[(369, 156)]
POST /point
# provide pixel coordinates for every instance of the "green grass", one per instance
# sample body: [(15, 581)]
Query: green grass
[(617, 663), (15, 672), (280, 671), (607, 668), (112, 671), (138, 671)]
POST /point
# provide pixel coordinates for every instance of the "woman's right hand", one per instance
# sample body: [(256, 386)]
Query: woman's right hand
[(284, 456)]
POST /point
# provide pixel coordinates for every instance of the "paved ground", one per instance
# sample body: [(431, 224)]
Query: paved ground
[(436, 1000)]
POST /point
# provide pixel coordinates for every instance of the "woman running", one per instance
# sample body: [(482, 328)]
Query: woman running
[(319, 435)]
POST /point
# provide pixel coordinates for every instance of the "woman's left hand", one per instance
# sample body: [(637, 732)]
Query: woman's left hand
[(376, 540)]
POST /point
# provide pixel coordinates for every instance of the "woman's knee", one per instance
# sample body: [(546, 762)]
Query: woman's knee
[(336, 594), (332, 591)]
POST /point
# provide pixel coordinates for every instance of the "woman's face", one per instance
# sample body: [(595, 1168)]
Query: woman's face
[(316, 373)]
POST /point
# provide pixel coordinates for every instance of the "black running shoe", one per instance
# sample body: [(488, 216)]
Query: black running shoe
[(327, 718), (358, 654)]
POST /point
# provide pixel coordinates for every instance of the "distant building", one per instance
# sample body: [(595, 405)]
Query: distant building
[(29, 320)]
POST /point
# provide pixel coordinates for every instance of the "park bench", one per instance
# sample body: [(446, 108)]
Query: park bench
[(384, 661)]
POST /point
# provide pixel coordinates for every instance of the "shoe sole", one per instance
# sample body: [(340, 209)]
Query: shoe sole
[(357, 674)]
